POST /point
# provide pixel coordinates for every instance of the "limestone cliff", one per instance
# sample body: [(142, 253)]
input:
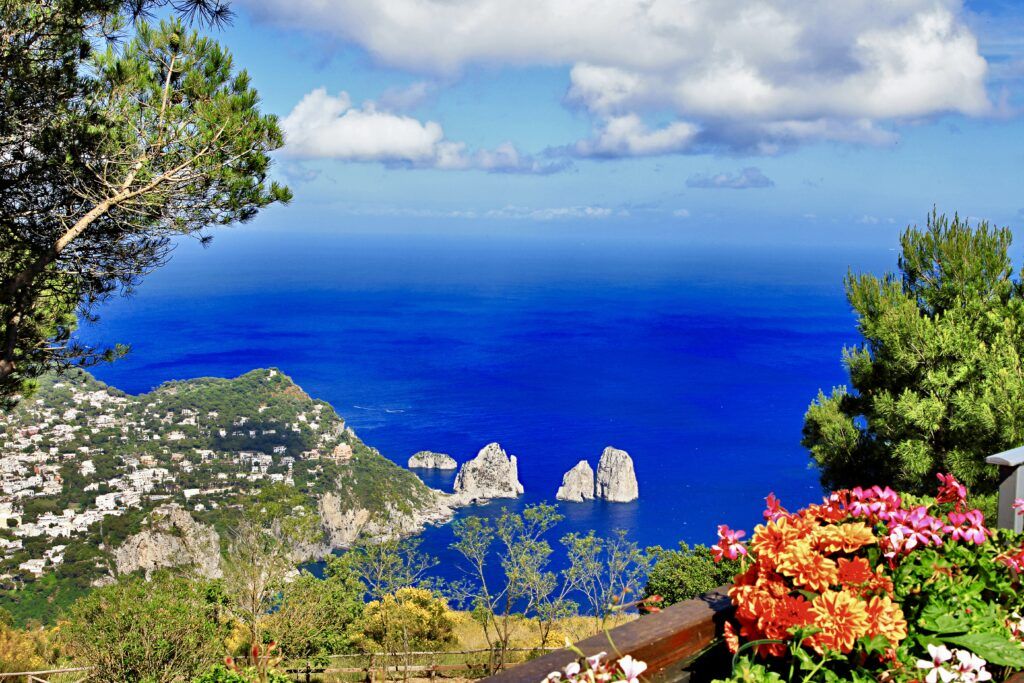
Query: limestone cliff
[(172, 539), (577, 483), (616, 480), (428, 460), (344, 525), (491, 474)]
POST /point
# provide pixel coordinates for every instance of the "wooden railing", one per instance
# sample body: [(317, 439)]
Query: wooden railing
[(677, 644), (76, 674)]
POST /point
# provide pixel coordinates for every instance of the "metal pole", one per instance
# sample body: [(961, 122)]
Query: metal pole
[(1011, 487)]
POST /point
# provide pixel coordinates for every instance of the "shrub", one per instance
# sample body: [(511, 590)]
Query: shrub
[(160, 630), (409, 619), (684, 574)]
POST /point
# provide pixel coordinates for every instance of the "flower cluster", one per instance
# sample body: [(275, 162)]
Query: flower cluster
[(809, 573), (815, 572), (956, 666), (599, 669)]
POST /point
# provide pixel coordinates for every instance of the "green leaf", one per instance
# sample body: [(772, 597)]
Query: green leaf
[(940, 618), (991, 647)]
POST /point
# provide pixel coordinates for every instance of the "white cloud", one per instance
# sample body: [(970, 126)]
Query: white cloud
[(746, 179), (322, 126), (506, 212), (681, 213), (627, 135), (734, 74)]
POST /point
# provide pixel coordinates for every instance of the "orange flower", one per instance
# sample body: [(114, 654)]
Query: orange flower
[(885, 618), (773, 539), (843, 537), (732, 640), (808, 568), (855, 573), (785, 613), (842, 618)]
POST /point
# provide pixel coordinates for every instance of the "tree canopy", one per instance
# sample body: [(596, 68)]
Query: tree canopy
[(936, 384), (105, 156)]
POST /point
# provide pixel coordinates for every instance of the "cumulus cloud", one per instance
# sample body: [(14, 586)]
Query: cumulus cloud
[(735, 75), (746, 179), (324, 126)]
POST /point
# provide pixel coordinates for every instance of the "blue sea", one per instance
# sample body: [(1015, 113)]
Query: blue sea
[(699, 361)]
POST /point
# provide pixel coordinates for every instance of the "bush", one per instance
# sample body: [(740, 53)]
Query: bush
[(135, 630), (315, 616), (409, 619), (684, 574)]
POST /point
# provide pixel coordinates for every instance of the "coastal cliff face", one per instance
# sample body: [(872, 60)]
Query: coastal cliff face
[(344, 525), (173, 539), (428, 460), (491, 474), (577, 483), (616, 479)]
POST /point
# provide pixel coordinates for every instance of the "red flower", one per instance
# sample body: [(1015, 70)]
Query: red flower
[(951, 491)]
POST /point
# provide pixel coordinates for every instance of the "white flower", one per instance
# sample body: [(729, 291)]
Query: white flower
[(632, 668), (572, 669), (939, 654), (971, 667), (594, 661)]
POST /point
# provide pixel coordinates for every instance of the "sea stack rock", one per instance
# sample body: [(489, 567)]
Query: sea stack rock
[(428, 460), (577, 483), (616, 480), (491, 474)]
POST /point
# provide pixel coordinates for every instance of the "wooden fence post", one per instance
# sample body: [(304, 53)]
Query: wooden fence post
[(1011, 486)]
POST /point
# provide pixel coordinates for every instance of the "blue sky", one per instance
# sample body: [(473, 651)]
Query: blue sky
[(719, 120)]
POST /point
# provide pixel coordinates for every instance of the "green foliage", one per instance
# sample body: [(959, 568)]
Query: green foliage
[(315, 617), (41, 601), (160, 630), (110, 155), (218, 673), (936, 384), (683, 574)]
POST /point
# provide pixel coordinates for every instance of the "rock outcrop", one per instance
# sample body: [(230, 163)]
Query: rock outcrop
[(491, 474), (616, 480), (344, 525), (428, 460), (173, 539), (577, 483)]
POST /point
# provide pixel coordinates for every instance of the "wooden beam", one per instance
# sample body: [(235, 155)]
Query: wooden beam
[(663, 640)]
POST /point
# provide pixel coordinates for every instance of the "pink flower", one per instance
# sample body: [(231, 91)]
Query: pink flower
[(910, 529), (729, 544), (968, 527), (773, 509), (875, 503), (632, 668), (1018, 505), (950, 491)]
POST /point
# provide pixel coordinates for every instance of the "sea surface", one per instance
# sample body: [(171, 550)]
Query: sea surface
[(698, 361)]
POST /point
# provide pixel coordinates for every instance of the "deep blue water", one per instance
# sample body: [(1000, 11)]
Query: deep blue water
[(698, 361)]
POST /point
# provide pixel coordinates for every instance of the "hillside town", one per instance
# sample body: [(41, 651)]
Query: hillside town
[(79, 454)]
